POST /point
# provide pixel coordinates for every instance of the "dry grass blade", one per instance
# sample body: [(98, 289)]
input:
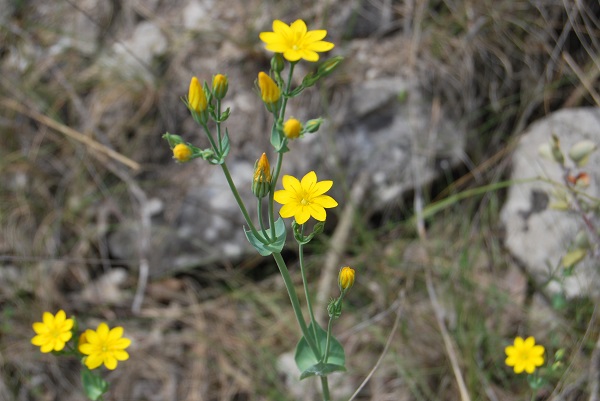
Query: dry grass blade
[(70, 132), (464, 395), (383, 353)]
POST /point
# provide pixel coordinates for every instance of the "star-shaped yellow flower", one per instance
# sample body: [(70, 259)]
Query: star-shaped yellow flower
[(303, 199), (104, 346), (524, 355), (53, 333), (295, 41)]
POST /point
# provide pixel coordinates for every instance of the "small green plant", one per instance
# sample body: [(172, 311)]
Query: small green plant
[(571, 195), (318, 352)]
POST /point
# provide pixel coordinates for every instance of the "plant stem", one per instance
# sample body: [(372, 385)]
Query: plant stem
[(306, 293), (329, 326), (287, 280), (240, 203), (272, 193), (260, 220), (325, 386)]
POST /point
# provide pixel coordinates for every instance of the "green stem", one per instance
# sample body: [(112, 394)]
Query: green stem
[(260, 219), (325, 386), (211, 140), (306, 294), (329, 327), (281, 113), (272, 192), (219, 125), (240, 203), (287, 280)]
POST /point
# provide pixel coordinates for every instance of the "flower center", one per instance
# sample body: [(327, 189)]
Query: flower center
[(304, 202), (524, 355)]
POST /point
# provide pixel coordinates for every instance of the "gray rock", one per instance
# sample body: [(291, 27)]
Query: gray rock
[(537, 235)]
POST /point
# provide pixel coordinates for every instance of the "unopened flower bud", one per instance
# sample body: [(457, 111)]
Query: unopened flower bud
[(261, 184), (196, 96), (581, 151), (220, 85), (556, 151), (313, 125), (292, 128), (182, 153), (329, 66), (269, 91), (334, 309), (346, 278), (277, 63)]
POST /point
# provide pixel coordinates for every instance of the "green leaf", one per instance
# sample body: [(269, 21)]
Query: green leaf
[(322, 369), (93, 385), (310, 365), (274, 246)]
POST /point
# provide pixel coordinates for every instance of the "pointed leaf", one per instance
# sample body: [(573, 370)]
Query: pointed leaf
[(306, 359), (274, 246), (322, 369), (94, 386)]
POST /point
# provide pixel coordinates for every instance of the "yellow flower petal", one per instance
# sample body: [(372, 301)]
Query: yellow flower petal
[(321, 46), (40, 328), (315, 36), (121, 343), (308, 181), (321, 187), (289, 210), (110, 362), (281, 28), (283, 197), (302, 215), (115, 333), (325, 201), (318, 212), (121, 355), (291, 184), (299, 27), (93, 361)]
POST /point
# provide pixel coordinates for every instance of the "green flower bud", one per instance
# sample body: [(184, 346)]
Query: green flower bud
[(329, 66), (312, 126), (557, 154), (334, 309), (277, 63)]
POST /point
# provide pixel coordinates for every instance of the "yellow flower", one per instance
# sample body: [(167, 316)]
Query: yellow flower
[(295, 41), (524, 355), (303, 199), (292, 128), (182, 153), (269, 91), (104, 346), (219, 86), (196, 96), (53, 332), (346, 277)]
